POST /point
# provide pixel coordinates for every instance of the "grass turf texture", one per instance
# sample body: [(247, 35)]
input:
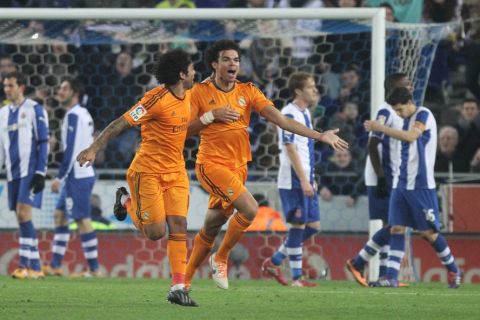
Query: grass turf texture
[(121, 298)]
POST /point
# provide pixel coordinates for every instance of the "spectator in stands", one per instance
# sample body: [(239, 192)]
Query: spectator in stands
[(349, 3), (347, 120), (448, 154), (468, 127), (353, 89), (169, 4), (405, 11), (436, 11), (472, 52), (210, 3), (389, 12), (121, 149), (247, 4), (6, 66), (341, 177)]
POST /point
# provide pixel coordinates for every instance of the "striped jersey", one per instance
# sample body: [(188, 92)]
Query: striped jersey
[(417, 159), (287, 177), (23, 139), (387, 149), (77, 135)]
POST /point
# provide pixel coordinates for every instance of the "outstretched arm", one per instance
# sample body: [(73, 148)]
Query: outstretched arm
[(330, 136), (87, 156), (408, 136)]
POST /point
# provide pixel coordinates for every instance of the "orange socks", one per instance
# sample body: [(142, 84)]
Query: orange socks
[(177, 255), (202, 245), (236, 227)]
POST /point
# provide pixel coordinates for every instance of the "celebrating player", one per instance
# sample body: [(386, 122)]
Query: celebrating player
[(224, 151), (157, 177)]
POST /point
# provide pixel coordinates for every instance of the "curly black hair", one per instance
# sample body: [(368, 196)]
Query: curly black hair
[(212, 53), (169, 65)]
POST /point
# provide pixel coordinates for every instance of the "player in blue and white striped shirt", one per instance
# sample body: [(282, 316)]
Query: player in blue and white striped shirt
[(74, 201), (413, 201), (296, 184), (24, 151), (379, 178)]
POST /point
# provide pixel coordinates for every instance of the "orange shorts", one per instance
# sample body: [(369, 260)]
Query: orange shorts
[(223, 184), (155, 196)]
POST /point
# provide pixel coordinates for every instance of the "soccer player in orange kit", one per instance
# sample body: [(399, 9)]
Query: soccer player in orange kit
[(157, 177), (224, 151)]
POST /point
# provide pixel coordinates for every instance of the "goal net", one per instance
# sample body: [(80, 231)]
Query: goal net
[(113, 52)]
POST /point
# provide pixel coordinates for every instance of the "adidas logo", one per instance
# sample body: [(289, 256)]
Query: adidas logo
[(211, 101)]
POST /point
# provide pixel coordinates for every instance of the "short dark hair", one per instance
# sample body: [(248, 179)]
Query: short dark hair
[(399, 96), (169, 65), (212, 53), (76, 85), (20, 77), (297, 81), (471, 100), (392, 80)]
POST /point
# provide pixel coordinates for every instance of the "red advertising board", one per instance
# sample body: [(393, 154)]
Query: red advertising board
[(127, 254)]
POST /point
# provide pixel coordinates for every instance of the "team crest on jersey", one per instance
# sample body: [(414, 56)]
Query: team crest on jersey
[(138, 112), (145, 215), (241, 101), (230, 191), (23, 115), (382, 120)]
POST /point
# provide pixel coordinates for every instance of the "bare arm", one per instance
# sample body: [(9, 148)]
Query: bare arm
[(273, 115), (87, 156), (298, 168), (408, 136)]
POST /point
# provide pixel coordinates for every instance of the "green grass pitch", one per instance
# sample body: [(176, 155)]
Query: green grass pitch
[(121, 298)]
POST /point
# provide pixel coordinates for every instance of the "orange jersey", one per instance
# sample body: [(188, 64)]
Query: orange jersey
[(163, 119), (221, 143)]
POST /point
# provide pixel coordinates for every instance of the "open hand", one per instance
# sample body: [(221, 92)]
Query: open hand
[(225, 114), (330, 137)]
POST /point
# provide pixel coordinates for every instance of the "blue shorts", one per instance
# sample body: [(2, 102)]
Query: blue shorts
[(417, 209), (293, 199), (75, 198), (19, 192), (377, 207)]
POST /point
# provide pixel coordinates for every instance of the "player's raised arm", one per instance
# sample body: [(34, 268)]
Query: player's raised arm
[(330, 136), (87, 156)]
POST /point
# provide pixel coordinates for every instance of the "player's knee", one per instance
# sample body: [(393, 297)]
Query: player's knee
[(251, 211), (397, 230), (154, 232), (429, 235), (154, 235)]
